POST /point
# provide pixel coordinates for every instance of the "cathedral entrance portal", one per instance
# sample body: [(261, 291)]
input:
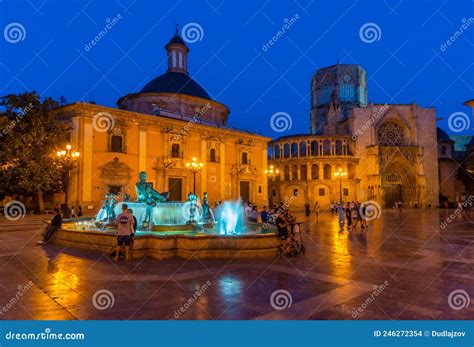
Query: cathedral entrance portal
[(393, 194)]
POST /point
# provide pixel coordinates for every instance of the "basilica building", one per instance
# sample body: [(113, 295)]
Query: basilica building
[(162, 129), (358, 151)]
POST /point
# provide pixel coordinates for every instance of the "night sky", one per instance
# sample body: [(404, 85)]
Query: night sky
[(405, 64)]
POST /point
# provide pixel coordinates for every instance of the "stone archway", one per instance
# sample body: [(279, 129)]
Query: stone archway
[(398, 184)]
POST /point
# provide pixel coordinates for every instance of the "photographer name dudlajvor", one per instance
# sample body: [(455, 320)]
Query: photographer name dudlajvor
[(448, 333)]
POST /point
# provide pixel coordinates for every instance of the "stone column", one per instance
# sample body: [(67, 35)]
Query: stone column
[(87, 161), (203, 174), (142, 137), (222, 173)]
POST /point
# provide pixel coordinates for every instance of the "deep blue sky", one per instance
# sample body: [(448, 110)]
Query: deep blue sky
[(404, 66)]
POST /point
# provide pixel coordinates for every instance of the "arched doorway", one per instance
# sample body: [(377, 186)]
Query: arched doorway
[(392, 188), (398, 186)]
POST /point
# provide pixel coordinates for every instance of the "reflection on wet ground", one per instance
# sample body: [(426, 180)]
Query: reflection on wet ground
[(403, 267)]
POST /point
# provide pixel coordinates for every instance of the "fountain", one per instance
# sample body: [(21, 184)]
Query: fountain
[(173, 228)]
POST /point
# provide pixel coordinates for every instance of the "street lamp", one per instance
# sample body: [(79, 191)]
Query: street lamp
[(68, 158), (340, 173), (194, 166)]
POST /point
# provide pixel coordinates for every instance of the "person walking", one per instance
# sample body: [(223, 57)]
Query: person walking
[(124, 232), (54, 225)]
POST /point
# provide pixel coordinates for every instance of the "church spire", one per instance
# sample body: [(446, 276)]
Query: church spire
[(177, 54)]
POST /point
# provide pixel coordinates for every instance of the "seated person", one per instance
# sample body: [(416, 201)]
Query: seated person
[(55, 224)]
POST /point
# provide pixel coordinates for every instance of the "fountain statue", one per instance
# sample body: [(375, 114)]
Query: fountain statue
[(146, 192)]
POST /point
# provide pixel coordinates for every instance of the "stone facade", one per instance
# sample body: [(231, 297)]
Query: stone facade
[(159, 146)]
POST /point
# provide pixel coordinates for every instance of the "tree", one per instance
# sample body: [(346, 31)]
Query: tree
[(29, 135)]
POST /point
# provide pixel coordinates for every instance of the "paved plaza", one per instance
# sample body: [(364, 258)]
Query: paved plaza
[(403, 267)]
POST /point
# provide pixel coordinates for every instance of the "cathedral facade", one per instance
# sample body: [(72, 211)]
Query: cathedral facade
[(161, 130), (358, 151)]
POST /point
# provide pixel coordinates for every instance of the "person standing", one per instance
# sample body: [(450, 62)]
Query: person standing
[(341, 215), (79, 211), (307, 213), (55, 224), (124, 232), (348, 215), (316, 211), (73, 212)]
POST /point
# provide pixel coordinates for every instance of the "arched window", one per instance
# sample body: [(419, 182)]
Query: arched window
[(327, 147), (315, 172), (116, 143), (294, 150), (277, 151), (327, 172), (180, 60), (270, 152), (302, 149), (390, 134), (294, 172), (286, 173), (338, 147), (212, 155), (173, 58), (349, 148), (286, 150), (314, 148), (303, 172)]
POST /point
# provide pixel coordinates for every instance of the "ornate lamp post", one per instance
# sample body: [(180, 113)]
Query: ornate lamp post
[(68, 158), (272, 172), (340, 173), (194, 166)]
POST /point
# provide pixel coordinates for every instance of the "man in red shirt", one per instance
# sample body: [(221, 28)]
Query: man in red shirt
[(124, 232)]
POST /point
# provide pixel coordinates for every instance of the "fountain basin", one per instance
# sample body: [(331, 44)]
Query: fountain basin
[(181, 244), (167, 215)]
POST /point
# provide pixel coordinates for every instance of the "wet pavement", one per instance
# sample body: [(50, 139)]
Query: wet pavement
[(403, 267)]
